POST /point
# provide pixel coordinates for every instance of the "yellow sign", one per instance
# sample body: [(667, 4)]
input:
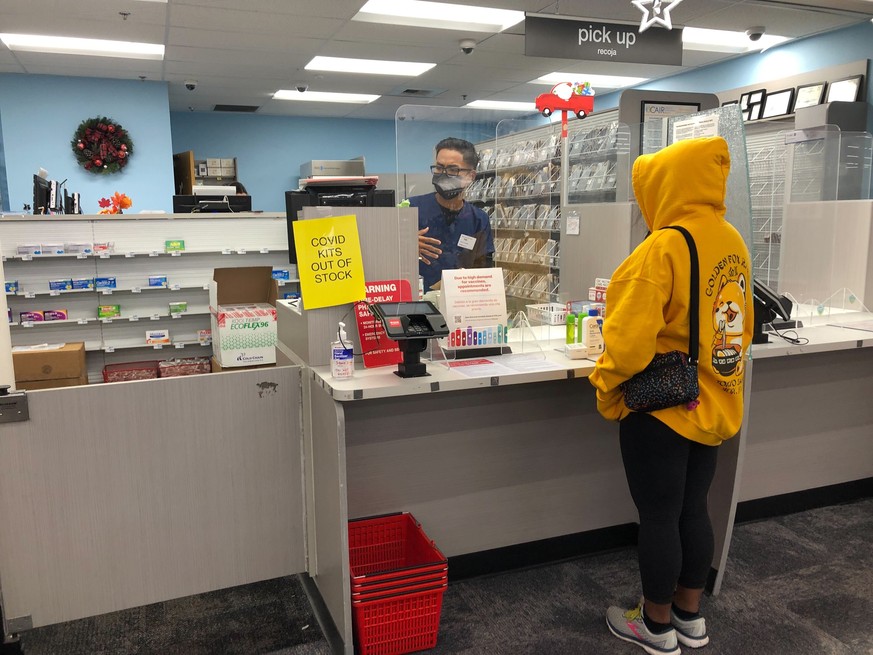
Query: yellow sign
[(329, 262)]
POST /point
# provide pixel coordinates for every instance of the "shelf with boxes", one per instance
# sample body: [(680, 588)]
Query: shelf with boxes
[(520, 186), (134, 296)]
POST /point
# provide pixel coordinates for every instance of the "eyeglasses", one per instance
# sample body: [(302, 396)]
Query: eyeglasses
[(436, 169)]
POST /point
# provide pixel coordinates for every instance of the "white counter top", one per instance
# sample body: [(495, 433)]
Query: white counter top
[(824, 334), (518, 368)]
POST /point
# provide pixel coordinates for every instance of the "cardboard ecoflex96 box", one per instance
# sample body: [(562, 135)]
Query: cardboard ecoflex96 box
[(242, 302)]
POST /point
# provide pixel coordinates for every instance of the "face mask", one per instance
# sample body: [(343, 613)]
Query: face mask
[(447, 186)]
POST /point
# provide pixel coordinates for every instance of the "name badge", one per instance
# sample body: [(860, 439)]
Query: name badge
[(467, 242)]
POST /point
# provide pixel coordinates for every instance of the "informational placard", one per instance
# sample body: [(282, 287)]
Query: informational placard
[(329, 262), (695, 128), (655, 118), (376, 348), (473, 302), (577, 38)]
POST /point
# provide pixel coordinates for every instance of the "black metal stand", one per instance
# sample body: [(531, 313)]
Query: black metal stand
[(411, 366)]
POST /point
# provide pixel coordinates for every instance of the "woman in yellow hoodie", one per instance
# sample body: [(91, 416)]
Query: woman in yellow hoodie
[(669, 455)]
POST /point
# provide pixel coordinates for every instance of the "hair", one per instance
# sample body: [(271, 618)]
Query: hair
[(467, 150), (240, 188)]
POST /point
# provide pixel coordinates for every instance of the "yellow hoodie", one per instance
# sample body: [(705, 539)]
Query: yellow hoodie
[(648, 297)]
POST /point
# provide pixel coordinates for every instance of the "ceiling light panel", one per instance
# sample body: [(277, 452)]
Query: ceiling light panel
[(597, 81), (438, 15), (503, 105), (368, 66), (324, 96), (698, 38), (66, 45)]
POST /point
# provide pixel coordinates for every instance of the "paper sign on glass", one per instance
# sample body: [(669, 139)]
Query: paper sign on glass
[(473, 298), (329, 262)]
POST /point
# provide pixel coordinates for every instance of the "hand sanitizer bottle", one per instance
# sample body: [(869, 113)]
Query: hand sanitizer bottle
[(342, 359)]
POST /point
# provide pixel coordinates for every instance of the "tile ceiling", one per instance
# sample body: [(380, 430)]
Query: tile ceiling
[(241, 52)]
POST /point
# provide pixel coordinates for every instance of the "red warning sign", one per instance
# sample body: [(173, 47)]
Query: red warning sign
[(377, 348)]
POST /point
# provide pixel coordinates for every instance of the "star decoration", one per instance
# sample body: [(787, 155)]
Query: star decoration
[(660, 12)]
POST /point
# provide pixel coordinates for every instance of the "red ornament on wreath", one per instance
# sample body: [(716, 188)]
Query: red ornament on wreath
[(101, 146)]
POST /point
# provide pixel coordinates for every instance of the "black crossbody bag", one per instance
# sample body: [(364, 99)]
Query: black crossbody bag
[(670, 379)]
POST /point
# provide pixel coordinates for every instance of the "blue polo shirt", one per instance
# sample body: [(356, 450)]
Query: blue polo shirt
[(470, 221)]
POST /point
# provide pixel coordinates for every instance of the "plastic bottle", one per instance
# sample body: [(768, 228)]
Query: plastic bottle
[(571, 327), (342, 359), (592, 337)]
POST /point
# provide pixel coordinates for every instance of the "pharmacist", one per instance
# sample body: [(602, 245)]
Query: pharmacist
[(452, 233)]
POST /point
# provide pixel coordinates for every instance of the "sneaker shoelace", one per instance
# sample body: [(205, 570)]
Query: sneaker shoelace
[(636, 614)]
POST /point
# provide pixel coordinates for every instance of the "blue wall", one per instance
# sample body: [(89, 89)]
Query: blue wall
[(270, 149), (40, 114)]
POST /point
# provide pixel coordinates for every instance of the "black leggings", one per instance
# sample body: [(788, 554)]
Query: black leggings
[(669, 478)]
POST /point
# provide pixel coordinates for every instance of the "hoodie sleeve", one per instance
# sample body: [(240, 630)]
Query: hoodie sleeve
[(634, 318)]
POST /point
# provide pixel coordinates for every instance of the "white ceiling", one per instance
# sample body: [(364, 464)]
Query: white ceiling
[(240, 52)]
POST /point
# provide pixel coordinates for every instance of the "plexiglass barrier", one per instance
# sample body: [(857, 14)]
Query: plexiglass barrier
[(826, 242)]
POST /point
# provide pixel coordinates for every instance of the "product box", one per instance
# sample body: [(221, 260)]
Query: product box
[(204, 337), (105, 282), (180, 307), (56, 314), (108, 311), (596, 294), (29, 249), (61, 285), (342, 167), (33, 316), (79, 248), (157, 280), (83, 283), (172, 368), (242, 302), (154, 337), (281, 274), (218, 368), (45, 367), (129, 371), (12, 286), (53, 249), (174, 245), (104, 247)]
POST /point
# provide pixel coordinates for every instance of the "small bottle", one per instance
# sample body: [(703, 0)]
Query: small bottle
[(342, 359), (571, 327), (592, 336)]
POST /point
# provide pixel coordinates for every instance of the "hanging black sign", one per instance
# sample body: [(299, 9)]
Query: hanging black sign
[(584, 39)]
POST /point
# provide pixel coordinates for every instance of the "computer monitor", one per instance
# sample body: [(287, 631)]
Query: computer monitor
[(229, 204), (339, 196), (41, 195)]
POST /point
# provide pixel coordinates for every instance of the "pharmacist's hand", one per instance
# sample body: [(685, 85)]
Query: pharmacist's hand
[(428, 248)]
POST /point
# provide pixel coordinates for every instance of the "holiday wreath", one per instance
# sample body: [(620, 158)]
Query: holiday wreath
[(101, 145)]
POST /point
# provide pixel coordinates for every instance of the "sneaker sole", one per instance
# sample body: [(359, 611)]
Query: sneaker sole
[(651, 650), (691, 642)]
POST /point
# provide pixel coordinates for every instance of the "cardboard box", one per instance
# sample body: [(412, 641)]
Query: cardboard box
[(242, 304), (59, 367), (341, 167), (36, 385), (218, 368)]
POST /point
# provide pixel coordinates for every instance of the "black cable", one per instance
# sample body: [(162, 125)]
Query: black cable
[(375, 332), (785, 336)]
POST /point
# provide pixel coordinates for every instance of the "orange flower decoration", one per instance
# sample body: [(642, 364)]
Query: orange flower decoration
[(115, 204)]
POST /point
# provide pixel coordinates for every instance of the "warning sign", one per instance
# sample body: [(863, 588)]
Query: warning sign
[(377, 348), (329, 262)]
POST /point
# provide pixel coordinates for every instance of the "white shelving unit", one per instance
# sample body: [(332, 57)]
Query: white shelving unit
[(138, 243)]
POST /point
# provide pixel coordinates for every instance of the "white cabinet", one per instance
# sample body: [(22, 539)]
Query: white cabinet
[(137, 251)]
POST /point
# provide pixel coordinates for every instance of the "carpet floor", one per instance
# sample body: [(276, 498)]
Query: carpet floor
[(794, 585)]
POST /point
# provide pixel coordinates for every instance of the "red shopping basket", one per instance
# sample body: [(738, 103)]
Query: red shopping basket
[(398, 579)]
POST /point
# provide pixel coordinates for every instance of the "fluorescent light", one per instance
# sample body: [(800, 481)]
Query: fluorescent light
[(438, 15), (370, 66), (698, 38), (503, 105), (67, 45), (324, 96), (597, 81)]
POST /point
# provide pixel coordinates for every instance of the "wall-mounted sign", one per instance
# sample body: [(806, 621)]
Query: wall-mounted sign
[(575, 38)]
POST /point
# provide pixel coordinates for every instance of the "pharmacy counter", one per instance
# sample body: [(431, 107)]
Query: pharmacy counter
[(490, 458)]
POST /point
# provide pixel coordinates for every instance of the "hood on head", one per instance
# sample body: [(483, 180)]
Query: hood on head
[(681, 180)]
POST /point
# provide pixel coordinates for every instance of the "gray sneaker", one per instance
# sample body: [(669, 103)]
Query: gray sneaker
[(690, 633), (628, 625)]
